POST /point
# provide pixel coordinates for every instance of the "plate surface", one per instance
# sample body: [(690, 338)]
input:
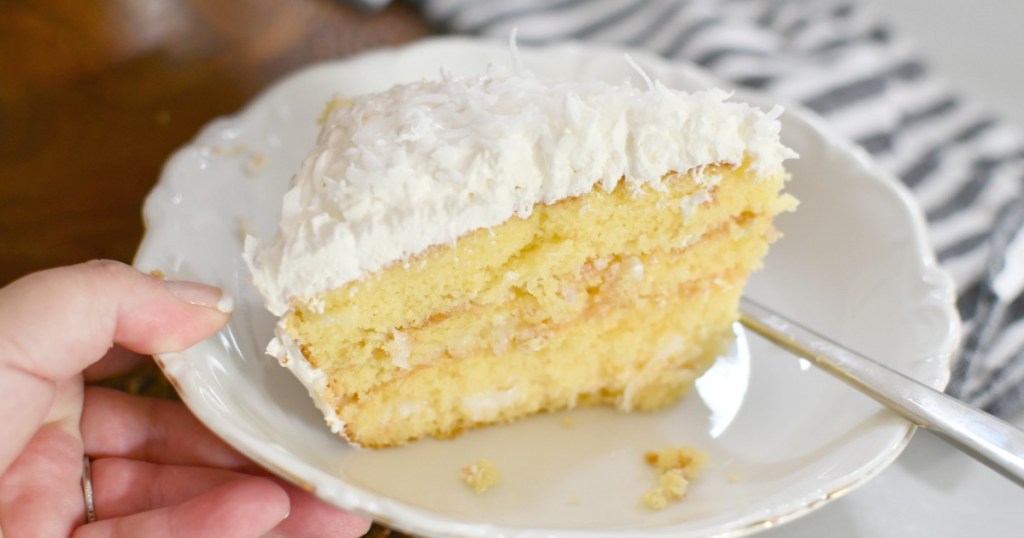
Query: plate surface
[(783, 438)]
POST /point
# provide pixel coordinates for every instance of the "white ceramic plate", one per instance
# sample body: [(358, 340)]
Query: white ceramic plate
[(782, 437)]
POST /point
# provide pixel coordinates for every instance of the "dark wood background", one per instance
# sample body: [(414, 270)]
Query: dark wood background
[(96, 94)]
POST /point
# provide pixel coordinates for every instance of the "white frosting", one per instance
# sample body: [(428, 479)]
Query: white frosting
[(690, 203), (422, 164), (486, 406), (671, 345), (315, 381)]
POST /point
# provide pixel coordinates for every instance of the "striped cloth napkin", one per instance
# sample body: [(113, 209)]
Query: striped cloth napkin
[(965, 168)]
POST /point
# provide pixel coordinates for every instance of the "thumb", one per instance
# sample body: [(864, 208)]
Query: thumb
[(55, 323)]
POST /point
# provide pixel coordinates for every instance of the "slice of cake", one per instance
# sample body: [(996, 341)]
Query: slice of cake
[(473, 250)]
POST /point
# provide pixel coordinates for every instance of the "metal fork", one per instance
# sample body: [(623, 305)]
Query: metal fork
[(995, 443)]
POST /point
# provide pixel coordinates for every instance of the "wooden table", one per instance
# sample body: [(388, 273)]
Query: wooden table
[(96, 94)]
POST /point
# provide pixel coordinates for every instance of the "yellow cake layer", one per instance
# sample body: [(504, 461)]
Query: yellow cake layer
[(530, 299), (639, 357)]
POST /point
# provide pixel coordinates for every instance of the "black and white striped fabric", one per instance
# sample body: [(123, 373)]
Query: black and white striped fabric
[(965, 168)]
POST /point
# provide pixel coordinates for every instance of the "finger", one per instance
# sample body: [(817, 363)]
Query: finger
[(312, 518), (62, 320), (123, 487), (55, 323), (117, 361), (246, 507), (41, 493), (160, 431)]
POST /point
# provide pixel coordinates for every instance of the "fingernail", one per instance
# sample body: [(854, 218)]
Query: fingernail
[(202, 295)]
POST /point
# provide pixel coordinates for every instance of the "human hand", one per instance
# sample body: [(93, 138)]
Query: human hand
[(156, 471)]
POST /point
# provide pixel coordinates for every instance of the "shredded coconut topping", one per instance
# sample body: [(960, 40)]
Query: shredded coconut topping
[(396, 172)]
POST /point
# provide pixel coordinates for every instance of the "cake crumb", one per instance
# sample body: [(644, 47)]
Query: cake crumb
[(733, 478), (221, 150), (655, 499), (673, 483), (481, 475), (568, 422), (255, 163), (687, 458), (575, 501), (156, 273), (676, 467)]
